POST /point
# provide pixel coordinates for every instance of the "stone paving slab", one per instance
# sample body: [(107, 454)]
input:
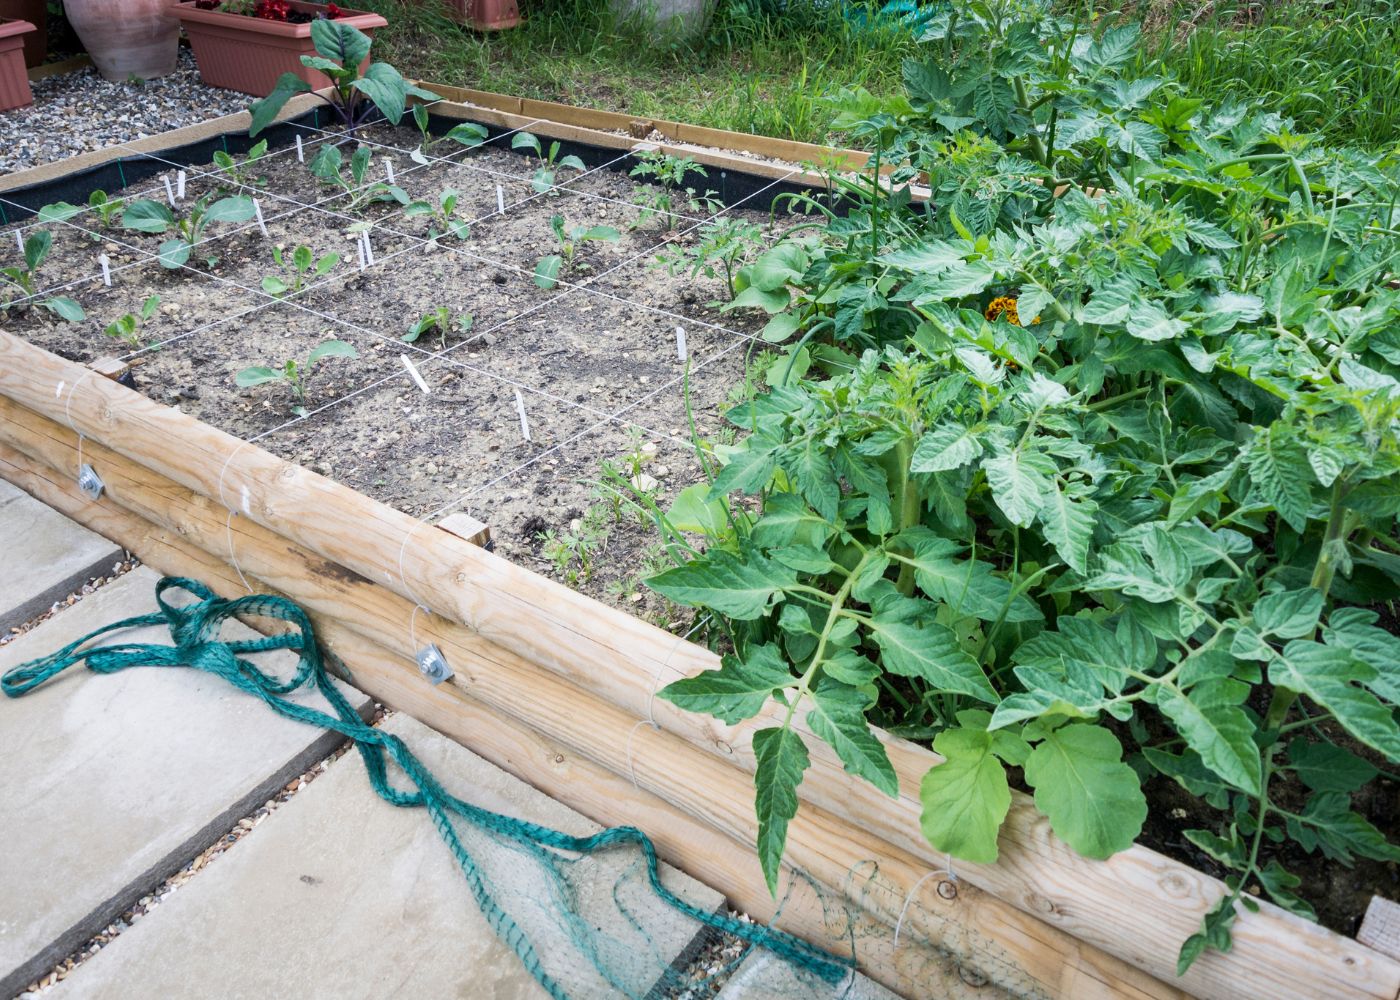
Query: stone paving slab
[(765, 976), (46, 556), (110, 783), (339, 895)]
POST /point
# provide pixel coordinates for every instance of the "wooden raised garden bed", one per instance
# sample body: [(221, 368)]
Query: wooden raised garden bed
[(552, 684)]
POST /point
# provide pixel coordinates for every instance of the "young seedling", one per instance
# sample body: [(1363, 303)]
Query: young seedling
[(550, 163), (301, 266), (106, 209), (341, 49), (128, 328), (36, 249), (575, 551), (235, 171), (726, 243), (439, 319), (329, 166), (295, 373), (148, 216), (671, 199), (468, 134), (440, 214), (548, 269)]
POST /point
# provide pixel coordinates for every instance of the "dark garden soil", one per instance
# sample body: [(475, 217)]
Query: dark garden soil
[(597, 370)]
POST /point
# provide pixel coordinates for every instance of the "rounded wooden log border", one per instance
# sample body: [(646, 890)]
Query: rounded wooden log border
[(997, 941), (1136, 906)]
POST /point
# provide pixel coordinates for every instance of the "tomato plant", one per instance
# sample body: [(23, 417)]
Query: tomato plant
[(1088, 467)]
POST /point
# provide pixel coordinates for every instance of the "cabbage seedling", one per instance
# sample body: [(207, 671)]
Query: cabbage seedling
[(549, 163), (441, 214), (295, 373), (469, 134), (128, 328), (148, 216), (329, 166), (300, 266), (548, 269), (340, 51), (439, 319), (36, 249), (234, 170)]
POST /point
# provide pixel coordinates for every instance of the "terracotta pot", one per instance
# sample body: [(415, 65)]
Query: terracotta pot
[(126, 38), (14, 79), (248, 54), (36, 12), (486, 15)]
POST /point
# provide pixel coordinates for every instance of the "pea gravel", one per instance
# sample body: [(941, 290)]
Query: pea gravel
[(77, 112)]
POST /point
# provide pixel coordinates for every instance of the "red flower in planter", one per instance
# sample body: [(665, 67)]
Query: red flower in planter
[(333, 12), (272, 10)]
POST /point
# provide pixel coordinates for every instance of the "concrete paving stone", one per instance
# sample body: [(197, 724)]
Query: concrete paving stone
[(46, 556), (339, 895), (112, 782), (765, 976)]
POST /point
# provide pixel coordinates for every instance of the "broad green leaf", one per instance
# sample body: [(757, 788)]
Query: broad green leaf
[(524, 140), (547, 271), (331, 349), (838, 716), (1216, 727), (147, 217), (1018, 487), (256, 375), (749, 469), (1327, 823), (1069, 526), (341, 41), (780, 327), (1290, 614), (736, 691), (721, 581), (65, 309), (1331, 677), (1149, 321), (36, 248), (468, 133), (779, 267), (1326, 767), (691, 511), (264, 112), (383, 85), (754, 297), (968, 586), (780, 758), (1092, 798), (174, 253), (948, 446), (274, 285), (1279, 466), (931, 653), (966, 798), (59, 211)]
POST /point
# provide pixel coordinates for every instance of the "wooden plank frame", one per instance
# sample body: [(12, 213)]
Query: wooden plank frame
[(560, 690)]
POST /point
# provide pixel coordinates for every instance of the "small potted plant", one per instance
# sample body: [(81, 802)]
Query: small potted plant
[(14, 78), (246, 45)]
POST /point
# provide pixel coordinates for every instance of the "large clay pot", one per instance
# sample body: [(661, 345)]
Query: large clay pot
[(126, 38)]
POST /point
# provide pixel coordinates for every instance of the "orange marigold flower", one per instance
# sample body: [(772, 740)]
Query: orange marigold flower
[(1004, 306)]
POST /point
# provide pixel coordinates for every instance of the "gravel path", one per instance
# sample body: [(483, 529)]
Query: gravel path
[(76, 112)]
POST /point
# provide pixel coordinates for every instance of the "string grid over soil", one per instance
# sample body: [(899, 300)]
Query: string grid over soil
[(594, 362)]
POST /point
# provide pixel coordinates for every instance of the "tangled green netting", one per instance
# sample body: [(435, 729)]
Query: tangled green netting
[(194, 629)]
